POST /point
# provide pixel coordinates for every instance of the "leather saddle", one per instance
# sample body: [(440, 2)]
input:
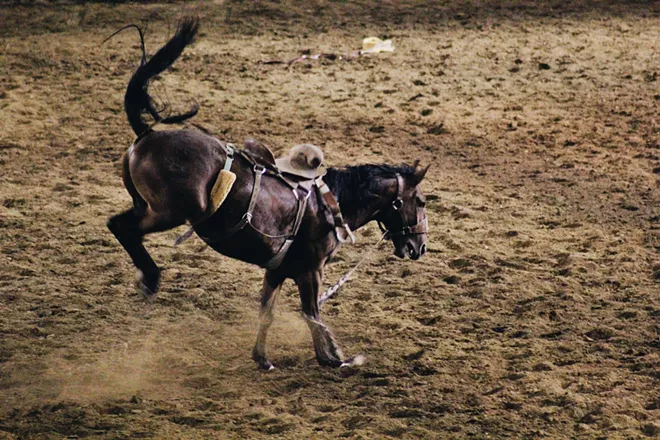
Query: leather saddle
[(264, 161), (260, 153), (311, 175)]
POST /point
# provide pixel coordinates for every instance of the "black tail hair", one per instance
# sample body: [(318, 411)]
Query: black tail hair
[(137, 99)]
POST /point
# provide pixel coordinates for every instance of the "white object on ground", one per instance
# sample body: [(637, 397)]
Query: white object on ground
[(376, 45)]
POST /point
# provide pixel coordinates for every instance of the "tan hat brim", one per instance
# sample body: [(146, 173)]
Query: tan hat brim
[(284, 165)]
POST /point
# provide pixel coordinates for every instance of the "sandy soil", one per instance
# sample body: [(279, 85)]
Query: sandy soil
[(536, 313)]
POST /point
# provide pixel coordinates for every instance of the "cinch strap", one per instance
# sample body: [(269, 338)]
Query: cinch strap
[(281, 253), (247, 217)]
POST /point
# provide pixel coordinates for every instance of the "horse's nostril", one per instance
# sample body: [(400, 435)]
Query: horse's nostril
[(422, 249), (411, 251)]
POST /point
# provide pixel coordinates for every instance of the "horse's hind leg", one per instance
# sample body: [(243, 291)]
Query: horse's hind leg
[(130, 227), (328, 352), (269, 293)]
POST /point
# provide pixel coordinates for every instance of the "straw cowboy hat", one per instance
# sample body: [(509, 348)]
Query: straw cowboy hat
[(303, 160)]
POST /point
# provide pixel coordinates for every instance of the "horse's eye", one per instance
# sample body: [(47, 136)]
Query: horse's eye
[(421, 203)]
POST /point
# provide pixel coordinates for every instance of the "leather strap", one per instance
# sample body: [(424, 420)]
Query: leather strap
[(230, 150), (343, 232), (281, 253), (277, 259), (247, 217), (421, 227)]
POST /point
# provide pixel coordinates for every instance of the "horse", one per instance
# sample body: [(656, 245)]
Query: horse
[(169, 175)]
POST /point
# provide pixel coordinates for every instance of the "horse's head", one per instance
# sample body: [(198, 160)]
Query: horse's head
[(405, 218)]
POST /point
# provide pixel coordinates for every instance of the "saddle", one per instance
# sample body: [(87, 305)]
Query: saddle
[(300, 169), (260, 153), (303, 168)]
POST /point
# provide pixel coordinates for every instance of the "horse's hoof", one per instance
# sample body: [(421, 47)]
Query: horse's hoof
[(266, 366), (355, 361), (148, 289), (336, 363), (332, 363)]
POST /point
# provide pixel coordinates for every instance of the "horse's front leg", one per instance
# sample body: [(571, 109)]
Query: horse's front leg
[(328, 352), (269, 293)]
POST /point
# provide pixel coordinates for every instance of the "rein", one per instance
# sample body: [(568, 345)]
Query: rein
[(421, 227), (332, 291)]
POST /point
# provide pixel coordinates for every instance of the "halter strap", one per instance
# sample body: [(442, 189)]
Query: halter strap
[(421, 227)]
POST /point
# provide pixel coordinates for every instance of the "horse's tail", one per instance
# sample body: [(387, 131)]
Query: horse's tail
[(137, 99)]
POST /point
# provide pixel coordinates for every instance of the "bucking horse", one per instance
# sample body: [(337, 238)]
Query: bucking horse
[(277, 222)]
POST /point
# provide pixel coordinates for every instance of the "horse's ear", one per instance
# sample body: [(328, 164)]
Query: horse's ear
[(419, 172)]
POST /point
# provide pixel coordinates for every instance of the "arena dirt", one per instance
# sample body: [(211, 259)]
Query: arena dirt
[(534, 315)]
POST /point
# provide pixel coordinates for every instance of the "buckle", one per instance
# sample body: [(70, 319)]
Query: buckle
[(397, 204), (259, 169)]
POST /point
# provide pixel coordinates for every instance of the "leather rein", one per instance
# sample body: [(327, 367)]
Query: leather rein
[(421, 227)]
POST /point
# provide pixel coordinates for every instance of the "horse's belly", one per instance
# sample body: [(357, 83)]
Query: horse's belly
[(243, 246)]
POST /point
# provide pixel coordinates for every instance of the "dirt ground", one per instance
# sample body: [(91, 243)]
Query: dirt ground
[(536, 313)]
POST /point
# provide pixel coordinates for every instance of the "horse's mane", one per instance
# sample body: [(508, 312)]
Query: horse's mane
[(355, 185)]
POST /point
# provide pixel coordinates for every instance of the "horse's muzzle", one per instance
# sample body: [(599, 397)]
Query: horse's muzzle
[(410, 249), (416, 254)]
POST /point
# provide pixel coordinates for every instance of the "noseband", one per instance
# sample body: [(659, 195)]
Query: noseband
[(421, 227)]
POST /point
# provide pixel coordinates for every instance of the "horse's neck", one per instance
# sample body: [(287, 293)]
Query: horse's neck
[(356, 218), (359, 212), (355, 187)]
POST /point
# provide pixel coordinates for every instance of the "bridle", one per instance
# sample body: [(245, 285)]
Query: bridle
[(421, 227)]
